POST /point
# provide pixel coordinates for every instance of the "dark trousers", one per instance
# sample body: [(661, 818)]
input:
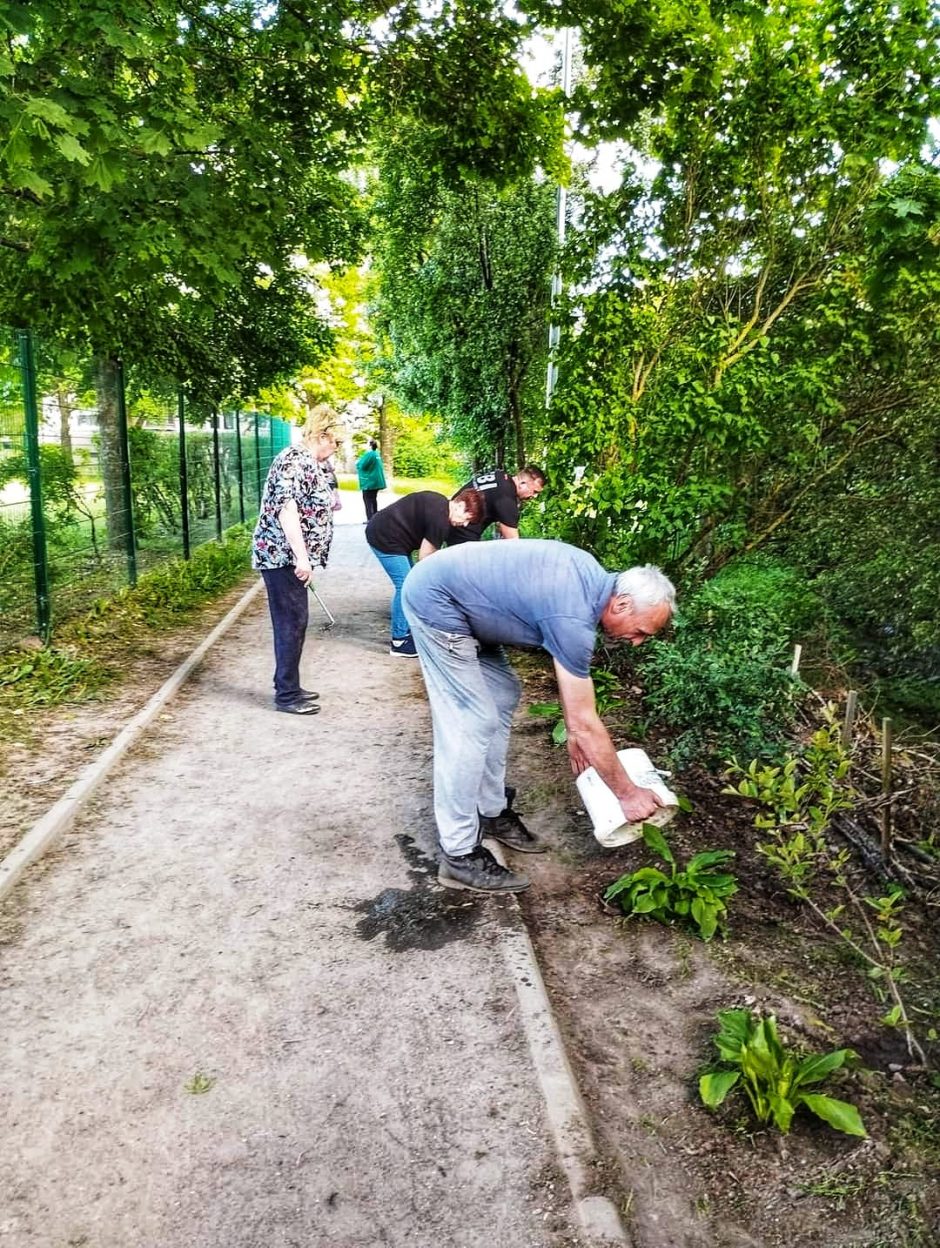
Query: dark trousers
[(288, 602), (371, 500)]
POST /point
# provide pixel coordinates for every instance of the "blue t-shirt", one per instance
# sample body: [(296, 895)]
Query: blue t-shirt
[(524, 592)]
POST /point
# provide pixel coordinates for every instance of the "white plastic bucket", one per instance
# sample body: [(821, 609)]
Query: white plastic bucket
[(604, 807)]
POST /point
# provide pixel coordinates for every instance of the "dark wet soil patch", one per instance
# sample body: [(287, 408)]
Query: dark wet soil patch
[(424, 916)]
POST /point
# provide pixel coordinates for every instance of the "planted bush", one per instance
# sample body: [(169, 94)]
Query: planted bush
[(774, 1080), (695, 897), (723, 681)]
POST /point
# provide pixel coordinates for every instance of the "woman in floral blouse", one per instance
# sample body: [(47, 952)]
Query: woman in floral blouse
[(294, 532)]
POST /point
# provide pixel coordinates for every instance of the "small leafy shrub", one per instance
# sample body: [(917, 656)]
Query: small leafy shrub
[(796, 804), (606, 695), (695, 897), (774, 1080), (155, 479), (723, 681)]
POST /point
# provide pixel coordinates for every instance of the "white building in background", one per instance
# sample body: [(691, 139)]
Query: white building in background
[(82, 425), (83, 422)]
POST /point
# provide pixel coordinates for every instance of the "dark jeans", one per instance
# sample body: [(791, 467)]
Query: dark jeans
[(288, 601), (371, 500)]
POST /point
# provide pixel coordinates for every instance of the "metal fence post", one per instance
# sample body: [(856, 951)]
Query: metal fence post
[(258, 458), (241, 466), (126, 475), (184, 472), (216, 474), (38, 524)]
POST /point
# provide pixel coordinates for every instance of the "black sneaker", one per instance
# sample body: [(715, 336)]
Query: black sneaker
[(480, 872), (403, 647), (301, 707), (509, 830)]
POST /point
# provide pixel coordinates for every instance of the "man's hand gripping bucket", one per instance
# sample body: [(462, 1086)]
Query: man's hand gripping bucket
[(604, 807)]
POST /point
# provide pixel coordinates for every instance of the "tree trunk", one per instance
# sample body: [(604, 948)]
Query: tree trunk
[(501, 451), (386, 439), (66, 407), (111, 452)]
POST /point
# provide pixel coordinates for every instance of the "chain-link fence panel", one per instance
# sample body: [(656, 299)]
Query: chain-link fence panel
[(86, 507), (17, 569), (104, 472)]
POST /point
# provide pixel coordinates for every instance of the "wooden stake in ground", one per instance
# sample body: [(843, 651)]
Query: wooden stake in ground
[(851, 706), (795, 665), (886, 740)]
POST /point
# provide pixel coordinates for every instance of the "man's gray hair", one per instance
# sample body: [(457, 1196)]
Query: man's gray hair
[(647, 586)]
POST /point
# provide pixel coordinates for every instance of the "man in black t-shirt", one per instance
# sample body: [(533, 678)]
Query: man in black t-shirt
[(420, 522), (502, 495)]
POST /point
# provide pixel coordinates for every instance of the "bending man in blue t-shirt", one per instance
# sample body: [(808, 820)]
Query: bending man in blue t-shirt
[(463, 606)]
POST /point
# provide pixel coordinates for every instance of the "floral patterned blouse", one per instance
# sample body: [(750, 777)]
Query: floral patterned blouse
[(294, 474)]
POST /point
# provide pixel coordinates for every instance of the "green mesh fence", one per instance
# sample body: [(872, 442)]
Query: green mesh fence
[(17, 573), (119, 476)]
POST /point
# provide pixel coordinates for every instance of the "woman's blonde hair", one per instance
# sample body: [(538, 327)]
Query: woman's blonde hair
[(320, 420)]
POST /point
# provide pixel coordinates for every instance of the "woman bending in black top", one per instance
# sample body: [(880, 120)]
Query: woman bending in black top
[(418, 522)]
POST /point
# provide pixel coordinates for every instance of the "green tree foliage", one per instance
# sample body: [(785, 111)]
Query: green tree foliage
[(465, 275), (161, 157), (752, 335), (421, 451), (727, 312), (454, 72), (343, 375), (162, 165)]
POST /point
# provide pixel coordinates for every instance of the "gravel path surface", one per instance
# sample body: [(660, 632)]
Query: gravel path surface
[(236, 1010)]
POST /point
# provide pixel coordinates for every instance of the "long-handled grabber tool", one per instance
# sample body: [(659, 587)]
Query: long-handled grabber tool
[(323, 607)]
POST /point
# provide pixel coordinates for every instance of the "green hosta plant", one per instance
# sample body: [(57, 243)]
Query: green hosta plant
[(695, 896), (606, 696), (776, 1081)]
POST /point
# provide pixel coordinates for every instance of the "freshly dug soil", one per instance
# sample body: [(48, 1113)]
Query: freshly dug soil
[(637, 1003)]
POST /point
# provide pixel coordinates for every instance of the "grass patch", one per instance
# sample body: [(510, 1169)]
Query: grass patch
[(33, 678), (90, 651), (405, 485), (410, 485)]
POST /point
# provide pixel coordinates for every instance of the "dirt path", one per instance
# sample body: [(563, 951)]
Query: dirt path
[(237, 1014)]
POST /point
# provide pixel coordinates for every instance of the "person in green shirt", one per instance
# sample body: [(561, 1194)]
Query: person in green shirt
[(371, 477)]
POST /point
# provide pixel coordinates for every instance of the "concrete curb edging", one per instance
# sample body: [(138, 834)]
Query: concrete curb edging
[(567, 1115), (55, 821)]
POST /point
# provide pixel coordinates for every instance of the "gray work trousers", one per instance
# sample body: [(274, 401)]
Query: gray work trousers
[(473, 693)]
